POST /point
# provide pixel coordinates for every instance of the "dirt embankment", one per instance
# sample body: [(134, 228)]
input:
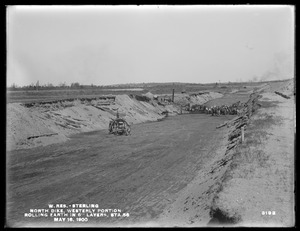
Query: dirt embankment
[(257, 188), (246, 181), (36, 124), (193, 207)]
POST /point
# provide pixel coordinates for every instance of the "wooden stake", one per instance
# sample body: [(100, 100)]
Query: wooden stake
[(173, 90), (243, 138)]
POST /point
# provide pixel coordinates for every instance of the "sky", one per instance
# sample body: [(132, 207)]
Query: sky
[(105, 45)]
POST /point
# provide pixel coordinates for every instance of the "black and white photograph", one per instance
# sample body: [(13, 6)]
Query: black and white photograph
[(150, 116)]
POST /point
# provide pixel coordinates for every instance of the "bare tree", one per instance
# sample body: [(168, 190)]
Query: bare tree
[(75, 85)]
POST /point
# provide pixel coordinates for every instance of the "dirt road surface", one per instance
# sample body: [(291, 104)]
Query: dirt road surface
[(140, 174)]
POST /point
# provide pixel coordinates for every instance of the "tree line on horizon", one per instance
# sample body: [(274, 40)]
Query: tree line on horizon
[(77, 85), (50, 86)]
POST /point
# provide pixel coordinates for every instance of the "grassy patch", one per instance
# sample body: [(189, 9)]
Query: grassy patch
[(251, 156), (248, 156), (255, 138), (264, 121)]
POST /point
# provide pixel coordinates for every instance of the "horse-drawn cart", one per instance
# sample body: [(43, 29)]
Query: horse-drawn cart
[(119, 127)]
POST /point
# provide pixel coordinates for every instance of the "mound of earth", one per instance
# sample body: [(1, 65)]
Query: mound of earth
[(40, 124)]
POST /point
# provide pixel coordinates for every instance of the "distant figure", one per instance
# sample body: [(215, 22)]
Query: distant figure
[(118, 115)]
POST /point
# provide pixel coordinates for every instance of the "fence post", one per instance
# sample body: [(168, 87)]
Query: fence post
[(173, 90), (243, 137)]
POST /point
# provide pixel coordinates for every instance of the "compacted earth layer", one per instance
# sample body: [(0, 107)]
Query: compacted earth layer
[(140, 174)]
